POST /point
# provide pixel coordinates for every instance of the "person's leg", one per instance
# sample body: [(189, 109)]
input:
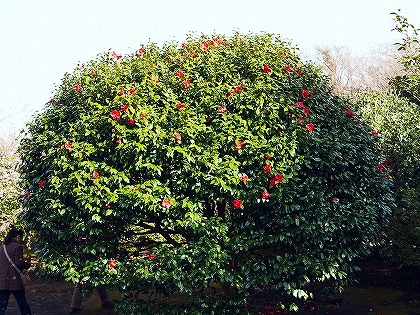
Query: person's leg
[(103, 295), (76, 301), (20, 297), (4, 299)]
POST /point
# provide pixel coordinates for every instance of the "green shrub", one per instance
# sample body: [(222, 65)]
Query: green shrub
[(225, 160)]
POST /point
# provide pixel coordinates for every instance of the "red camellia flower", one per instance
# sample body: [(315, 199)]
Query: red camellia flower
[(179, 74), (314, 92), (151, 257), (310, 127), (374, 133), (131, 91), (68, 145), (349, 113), (335, 199), (237, 204), (116, 56), (131, 121), (243, 178), (41, 184), (300, 104), (107, 206), (124, 108), (228, 93), (288, 69), (306, 111), (268, 157), (115, 115), (300, 119), (276, 179), (143, 116), (140, 52), (295, 216), (186, 84), (204, 46), (267, 168), (382, 166), (177, 137), (118, 141), (112, 263), (95, 174), (121, 92), (305, 93), (78, 87), (265, 194), (266, 69), (239, 144), (238, 89), (222, 109), (166, 203), (180, 105)]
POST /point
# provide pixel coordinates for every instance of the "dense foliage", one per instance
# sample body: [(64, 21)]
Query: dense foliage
[(223, 160)]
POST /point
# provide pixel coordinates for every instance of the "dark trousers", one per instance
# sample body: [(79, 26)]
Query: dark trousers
[(20, 299)]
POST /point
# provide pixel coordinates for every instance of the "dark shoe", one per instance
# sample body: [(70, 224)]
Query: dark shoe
[(75, 310), (108, 305)]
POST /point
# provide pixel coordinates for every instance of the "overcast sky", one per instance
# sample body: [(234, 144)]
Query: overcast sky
[(43, 39)]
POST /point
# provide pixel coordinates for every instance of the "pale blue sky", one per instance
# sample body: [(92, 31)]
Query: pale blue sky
[(43, 39)]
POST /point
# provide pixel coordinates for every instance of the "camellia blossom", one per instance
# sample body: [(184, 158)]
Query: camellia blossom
[(166, 203), (204, 46), (306, 111), (115, 55), (68, 145), (140, 52), (95, 174), (382, 166), (237, 204), (131, 121), (266, 69), (124, 107), (180, 105), (112, 263), (222, 109), (374, 133), (121, 91), (151, 257), (305, 93), (300, 104), (310, 127), (132, 91), (243, 178), (300, 119), (186, 84), (78, 87), (238, 89), (267, 168), (118, 141), (268, 157), (228, 93), (349, 113), (115, 114), (276, 179), (238, 145), (177, 137), (41, 184), (335, 200), (265, 194), (288, 69), (143, 116), (179, 74)]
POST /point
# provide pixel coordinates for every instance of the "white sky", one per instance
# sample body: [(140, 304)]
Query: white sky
[(43, 39)]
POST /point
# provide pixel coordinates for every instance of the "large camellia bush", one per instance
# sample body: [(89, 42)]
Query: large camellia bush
[(219, 161)]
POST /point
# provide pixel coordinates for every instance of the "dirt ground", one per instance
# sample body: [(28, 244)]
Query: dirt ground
[(382, 290)]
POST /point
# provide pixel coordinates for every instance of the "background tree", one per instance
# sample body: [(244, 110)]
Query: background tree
[(9, 189), (223, 160)]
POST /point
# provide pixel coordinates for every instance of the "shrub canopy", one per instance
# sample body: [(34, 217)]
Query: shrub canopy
[(222, 160)]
